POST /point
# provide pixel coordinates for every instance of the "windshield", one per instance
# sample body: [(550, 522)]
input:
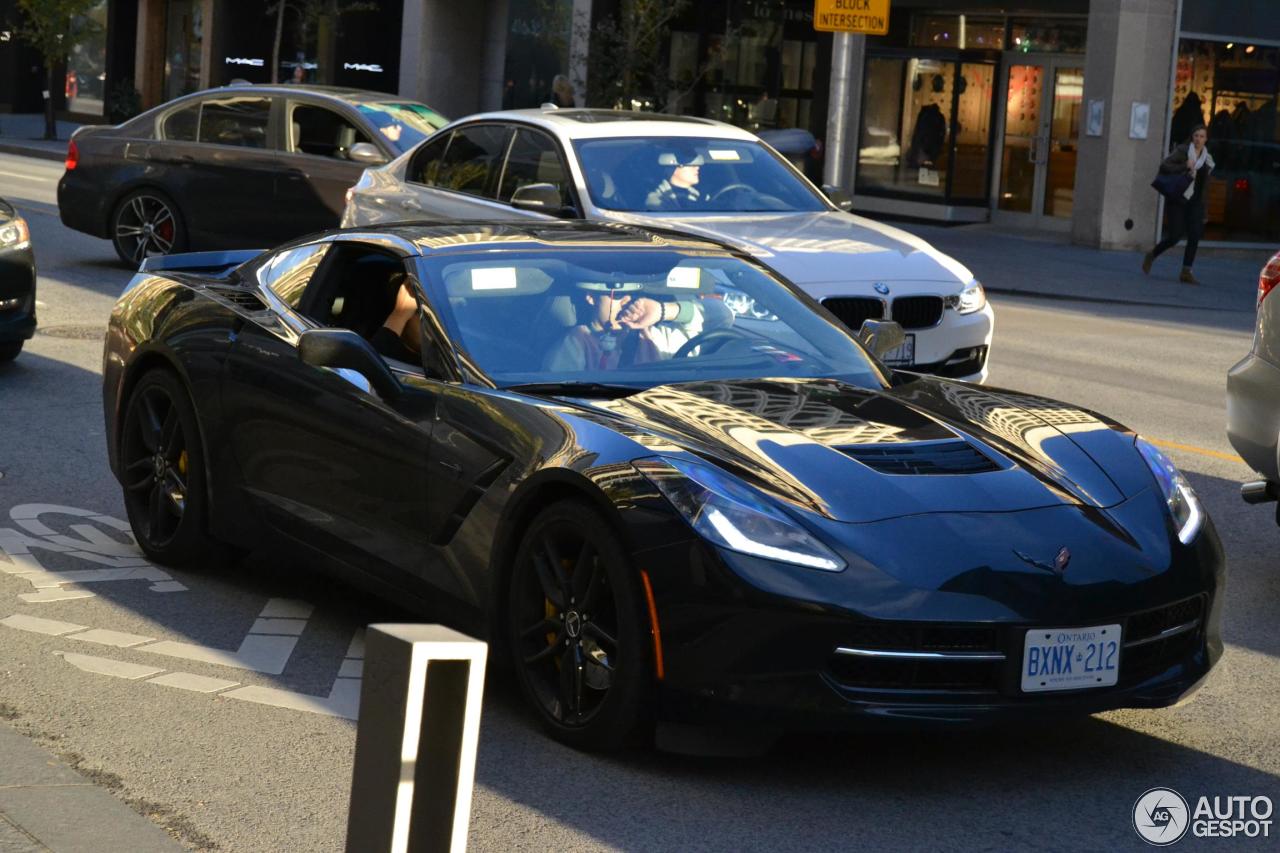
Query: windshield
[(402, 123), (679, 174), (635, 318)]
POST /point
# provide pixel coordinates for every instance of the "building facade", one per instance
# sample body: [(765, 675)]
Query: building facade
[(1042, 114)]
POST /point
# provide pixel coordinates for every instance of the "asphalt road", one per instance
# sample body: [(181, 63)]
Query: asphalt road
[(240, 744)]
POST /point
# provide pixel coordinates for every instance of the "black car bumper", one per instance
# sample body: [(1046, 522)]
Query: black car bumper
[(17, 295), (81, 207), (741, 650)]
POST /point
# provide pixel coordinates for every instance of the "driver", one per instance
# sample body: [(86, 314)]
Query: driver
[(678, 191), (624, 329)]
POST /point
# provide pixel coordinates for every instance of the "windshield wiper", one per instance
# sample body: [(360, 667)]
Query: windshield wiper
[(574, 389)]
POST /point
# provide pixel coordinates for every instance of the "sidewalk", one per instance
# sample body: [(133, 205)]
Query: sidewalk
[(20, 133), (1047, 265), (46, 807)]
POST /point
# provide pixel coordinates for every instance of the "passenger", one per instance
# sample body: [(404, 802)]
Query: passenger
[(623, 330), (678, 191)]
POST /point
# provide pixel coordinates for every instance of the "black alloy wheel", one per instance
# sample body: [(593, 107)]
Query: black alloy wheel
[(146, 223), (162, 470), (578, 638)]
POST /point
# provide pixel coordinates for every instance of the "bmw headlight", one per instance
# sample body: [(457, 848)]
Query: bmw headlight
[(972, 298), (15, 235), (733, 516), (1184, 506)]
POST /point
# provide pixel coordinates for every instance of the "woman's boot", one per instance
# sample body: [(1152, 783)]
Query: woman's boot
[(1187, 277), (1147, 260)]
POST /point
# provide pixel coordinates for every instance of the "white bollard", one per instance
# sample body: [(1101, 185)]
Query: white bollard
[(416, 741)]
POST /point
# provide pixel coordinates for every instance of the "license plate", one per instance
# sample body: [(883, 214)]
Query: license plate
[(903, 355), (1070, 658)]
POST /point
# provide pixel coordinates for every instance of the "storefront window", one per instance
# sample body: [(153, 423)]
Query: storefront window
[(538, 39), (183, 45), (87, 62), (1048, 36), (962, 31), (1233, 88)]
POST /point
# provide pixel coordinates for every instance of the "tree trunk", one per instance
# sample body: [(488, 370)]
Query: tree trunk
[(50, 124), (275, 45)]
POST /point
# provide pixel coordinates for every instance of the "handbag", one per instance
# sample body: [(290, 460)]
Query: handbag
[(1172, 185)]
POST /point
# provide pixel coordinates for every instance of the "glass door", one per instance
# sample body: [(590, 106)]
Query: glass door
[(1041, 126)]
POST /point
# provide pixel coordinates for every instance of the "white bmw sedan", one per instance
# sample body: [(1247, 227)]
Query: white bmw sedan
[(697, 176)]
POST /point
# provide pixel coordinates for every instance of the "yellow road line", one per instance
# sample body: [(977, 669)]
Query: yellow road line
[(1203, 451)]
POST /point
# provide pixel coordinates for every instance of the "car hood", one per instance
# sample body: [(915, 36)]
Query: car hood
[(822, 247), (858, 455)]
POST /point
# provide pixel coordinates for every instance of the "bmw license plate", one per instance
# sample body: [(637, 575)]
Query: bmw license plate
[(903, 355), (1070, 658)]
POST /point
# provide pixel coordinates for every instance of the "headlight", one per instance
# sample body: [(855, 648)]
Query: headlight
[(1181, 499), (732, 516), (972, 298), (15, 235)]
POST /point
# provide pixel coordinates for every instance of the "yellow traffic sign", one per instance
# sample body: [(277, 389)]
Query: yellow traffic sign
[(852, 16)]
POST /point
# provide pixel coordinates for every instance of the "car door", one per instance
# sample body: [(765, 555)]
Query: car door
[(533, 157), (324, 459), (219, 161), (457, 178), (315, 170)]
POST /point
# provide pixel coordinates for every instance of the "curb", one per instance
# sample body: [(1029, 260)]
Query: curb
[(31, 151)]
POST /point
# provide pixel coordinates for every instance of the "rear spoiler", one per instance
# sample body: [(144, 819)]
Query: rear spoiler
[(199, 262)]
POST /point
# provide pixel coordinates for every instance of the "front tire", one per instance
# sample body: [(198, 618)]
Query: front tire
[(146, 223), (9, 351), (577, 635), (162, 468)]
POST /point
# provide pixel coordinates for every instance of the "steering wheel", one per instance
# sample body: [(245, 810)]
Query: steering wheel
[(725, 190), (702, 340)]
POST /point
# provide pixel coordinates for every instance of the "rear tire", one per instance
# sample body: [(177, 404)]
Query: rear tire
[(576, 630), (146, 223), (9, 351), (162, 469)]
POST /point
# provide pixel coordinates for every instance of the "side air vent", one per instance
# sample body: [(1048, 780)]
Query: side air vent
[(243, 299), (945, 457)]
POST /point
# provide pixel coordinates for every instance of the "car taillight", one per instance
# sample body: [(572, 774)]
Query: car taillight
[(1269, 278), (73, 155)]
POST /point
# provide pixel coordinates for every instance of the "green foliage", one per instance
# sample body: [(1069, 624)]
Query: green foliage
[(123, 101), (54, 27)]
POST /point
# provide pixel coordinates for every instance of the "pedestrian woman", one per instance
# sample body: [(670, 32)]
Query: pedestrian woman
[(1185, 214), (562, 94)]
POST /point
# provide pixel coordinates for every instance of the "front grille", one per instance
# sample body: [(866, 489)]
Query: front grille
[(854, 672), (917, 312), (950, 457), (852, 310), (1150, 623)]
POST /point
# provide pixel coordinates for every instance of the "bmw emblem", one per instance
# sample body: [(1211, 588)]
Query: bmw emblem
[(1061, 561), (882, 288)]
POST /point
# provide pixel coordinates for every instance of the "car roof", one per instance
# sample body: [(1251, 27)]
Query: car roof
[(340, 93), (435, 238), (595, 123)]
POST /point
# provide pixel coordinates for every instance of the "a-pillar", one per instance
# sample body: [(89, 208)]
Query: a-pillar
[(1129, 60), (452, 54)]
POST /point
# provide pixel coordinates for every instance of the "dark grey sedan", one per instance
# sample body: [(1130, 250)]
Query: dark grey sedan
[(239, 166), (17, 283), (1253, 395)]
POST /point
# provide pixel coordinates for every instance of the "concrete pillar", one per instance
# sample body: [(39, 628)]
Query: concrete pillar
[(1129, 59), (439, 46), (579, 45), (148, 70)]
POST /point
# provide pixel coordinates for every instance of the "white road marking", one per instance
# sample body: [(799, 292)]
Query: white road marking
[(91, 544), (259, 651), (287, 608), (107, 666), (351, 669), (343, 699), (188, 681), (22, 177), (119, 639), (40, 626), (278, 626)]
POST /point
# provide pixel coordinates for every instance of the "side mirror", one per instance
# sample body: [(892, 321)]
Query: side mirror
[(342, 351), (539, 198), (366, 153), (838, 196), (881, 336)]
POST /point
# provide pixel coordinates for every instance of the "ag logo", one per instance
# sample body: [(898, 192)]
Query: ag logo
[(1160, 816)]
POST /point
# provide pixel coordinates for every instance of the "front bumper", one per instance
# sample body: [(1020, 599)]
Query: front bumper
[(17, 295), (1253, 414), (749, 645)]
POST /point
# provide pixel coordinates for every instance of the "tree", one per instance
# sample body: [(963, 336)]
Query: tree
[(53, 28), (629, 65)]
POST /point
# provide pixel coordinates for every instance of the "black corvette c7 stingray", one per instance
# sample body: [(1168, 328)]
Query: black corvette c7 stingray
[(668, 486)]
